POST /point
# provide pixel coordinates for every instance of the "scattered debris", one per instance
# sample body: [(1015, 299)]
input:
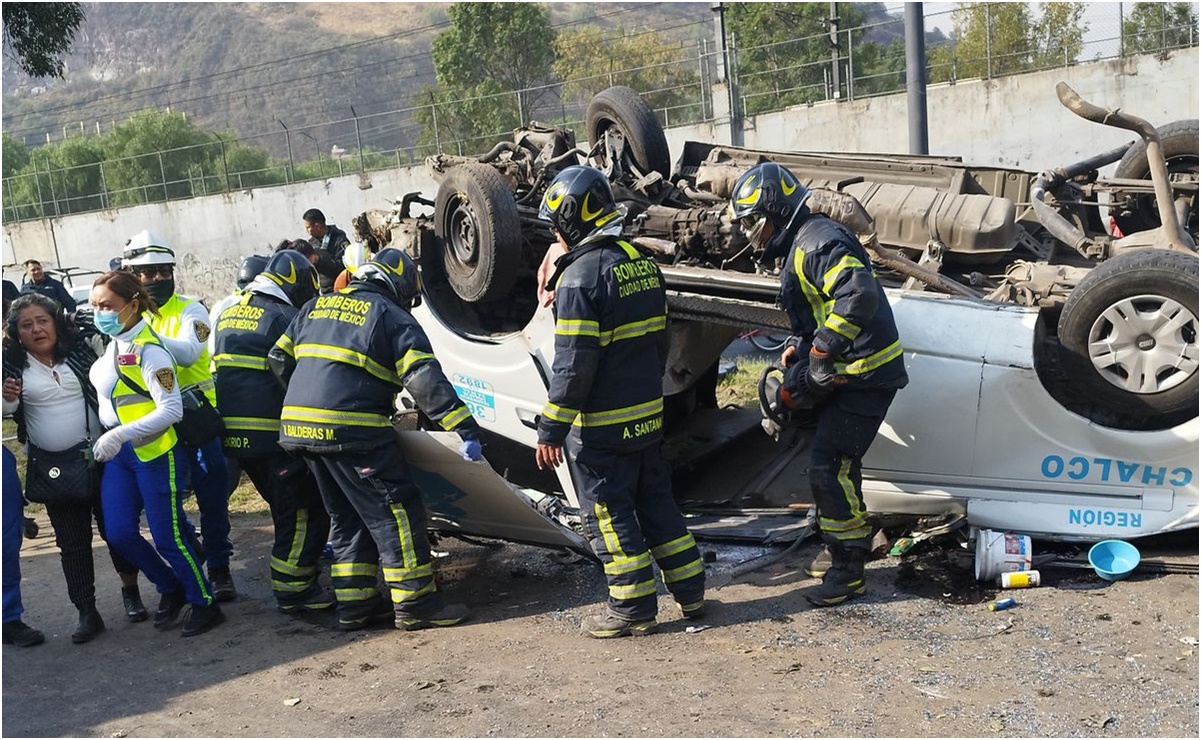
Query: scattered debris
[(790, 669), (696, 628), (292, 702), (1189, 641), (1002, 604)]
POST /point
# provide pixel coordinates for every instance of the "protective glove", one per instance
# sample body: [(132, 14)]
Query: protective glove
[(799, 391), (109, 444), (821, 370), (471, 450)]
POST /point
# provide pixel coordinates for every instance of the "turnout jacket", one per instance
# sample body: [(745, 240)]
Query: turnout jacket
[(610, 349), (344, 357), (248, 395), (836, 304)]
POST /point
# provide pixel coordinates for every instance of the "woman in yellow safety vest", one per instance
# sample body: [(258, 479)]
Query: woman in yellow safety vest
[(139, 398)]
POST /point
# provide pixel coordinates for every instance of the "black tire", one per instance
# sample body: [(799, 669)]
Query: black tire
[(624, 109), (1160, 288), (1179, 140), (479, 232)]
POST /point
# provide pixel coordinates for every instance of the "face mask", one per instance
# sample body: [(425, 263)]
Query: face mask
[(161, 291), (109, 322)]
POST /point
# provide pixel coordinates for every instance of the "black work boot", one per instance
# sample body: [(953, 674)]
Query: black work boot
[(844, 580), (201, 619), (693, 610), (169, 607), (820, 564), (373, 616), (22, 635), (223, 584), (90, 624), (610, 625), (447, 616), (135, 610)]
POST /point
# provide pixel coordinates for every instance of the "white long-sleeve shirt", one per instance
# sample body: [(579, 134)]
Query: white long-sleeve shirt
[(186, 346), (56, 416), (167, 402)]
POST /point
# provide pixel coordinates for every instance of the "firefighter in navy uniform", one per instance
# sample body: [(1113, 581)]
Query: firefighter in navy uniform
[(343, 358), (250, 399), (844, 363), (605, 403)]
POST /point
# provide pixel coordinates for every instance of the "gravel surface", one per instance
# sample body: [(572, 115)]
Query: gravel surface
[(919, 656)]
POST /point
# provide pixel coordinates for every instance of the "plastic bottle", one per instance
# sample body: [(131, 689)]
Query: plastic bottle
[(1002, 604), (1021, 579)]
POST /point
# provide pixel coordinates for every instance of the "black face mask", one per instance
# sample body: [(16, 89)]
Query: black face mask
[(161, 291)]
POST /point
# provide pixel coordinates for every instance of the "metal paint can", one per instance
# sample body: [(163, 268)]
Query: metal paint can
[(1002, 604), (1021, 579)]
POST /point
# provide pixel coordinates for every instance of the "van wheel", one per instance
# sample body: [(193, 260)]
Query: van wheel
[(621, 110), (479, 232), (1137, 213), (1128, 338)]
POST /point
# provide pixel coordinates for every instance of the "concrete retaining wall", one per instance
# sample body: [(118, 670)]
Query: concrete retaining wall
[(1011, 121)]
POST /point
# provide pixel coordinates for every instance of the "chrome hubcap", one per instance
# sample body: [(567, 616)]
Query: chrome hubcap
[(1144, 344)]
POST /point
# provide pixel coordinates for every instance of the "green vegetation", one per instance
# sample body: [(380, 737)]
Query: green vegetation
[(993, 39), (1160, 26), (38, 35)]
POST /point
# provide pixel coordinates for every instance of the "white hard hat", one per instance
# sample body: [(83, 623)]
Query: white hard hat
[(147, 248), (354, 256)]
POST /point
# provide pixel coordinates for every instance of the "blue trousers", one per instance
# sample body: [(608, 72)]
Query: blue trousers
[(210, 481), (129, 486), (14, 528)]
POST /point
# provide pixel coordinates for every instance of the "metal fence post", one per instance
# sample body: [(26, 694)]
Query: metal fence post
[(358, 138), (290, 173), (437, 136), (163, 171), (53, 196), (37, 181), (224, 163), (104, 198), (850, 66), (988, 40), (1121, 32)]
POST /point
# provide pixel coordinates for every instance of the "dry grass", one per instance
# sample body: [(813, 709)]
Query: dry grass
[(741, 386)]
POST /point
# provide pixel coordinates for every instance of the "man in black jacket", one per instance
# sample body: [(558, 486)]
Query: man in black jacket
[(845, 359), (344, 357), (329, 242), (39, 282), (250, 400), (605, 403)]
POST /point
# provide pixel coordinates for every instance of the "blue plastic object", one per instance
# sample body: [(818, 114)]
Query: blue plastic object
[(1113, 559)]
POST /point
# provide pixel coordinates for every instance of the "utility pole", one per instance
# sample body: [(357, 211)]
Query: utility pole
[(835, 86), (915, 78), (726, 92)]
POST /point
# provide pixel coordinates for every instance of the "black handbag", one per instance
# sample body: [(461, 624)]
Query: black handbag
[(68, 476), (201, 422)]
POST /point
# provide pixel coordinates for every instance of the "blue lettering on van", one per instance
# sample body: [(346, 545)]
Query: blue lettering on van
[(1105, 518), (1105, 470), (477, 395)]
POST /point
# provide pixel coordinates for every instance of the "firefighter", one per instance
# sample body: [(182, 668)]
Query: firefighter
[(249, 399), (182, 325), (844, 362), (343, 358), (606, 404)]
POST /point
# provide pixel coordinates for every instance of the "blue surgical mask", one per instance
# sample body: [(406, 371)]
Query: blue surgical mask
[(109, 322)]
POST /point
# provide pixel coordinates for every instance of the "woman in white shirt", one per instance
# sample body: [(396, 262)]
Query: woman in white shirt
[(139, 399), (47, 391)]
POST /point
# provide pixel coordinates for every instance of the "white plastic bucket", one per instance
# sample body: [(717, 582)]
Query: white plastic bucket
[(1001, 552)]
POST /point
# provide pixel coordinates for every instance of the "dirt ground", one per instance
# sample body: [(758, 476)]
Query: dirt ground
[(919, 656)]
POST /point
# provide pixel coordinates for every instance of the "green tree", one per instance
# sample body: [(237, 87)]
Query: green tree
[(14, 154), (37, 35), (783, 50), (157, 155), (664, 72), (1159, 27), (992, 38), (1059, 34), (489, 50)]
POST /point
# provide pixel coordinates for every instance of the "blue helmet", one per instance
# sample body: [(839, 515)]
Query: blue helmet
[(765, 192), (293, 272), (394, 269), (579, 202)]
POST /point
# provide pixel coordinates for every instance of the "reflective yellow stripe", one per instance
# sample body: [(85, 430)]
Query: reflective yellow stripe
[(848, 488), (455, 418), (872, 361), (346, 357), (285, 343), (630, 250), (411, 358), (577, 328), (679, 544), (405, 574), (840, 525), (400, 595), (407, 555), (292, 570), (176, 511), (816, 305), (605, 522), (346, 570), (250, 362), (628, 565), (290, 586), (634, 329), (208, 384), (684, 572), (621, 415), (356, 594), (299, 533), (858, 533), (250, 424), (848, 262), (842, 326), (633, 591), (559, 414), (327, 416)]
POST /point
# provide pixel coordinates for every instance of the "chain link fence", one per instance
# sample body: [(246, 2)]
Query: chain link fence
[(867, 61)]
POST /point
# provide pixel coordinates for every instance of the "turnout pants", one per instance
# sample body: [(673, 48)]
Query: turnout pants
[(13, 531), (301, 523), (209, 475), (376, 516), (846, 428), (73, 534), (129, 486), (631, 518)]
